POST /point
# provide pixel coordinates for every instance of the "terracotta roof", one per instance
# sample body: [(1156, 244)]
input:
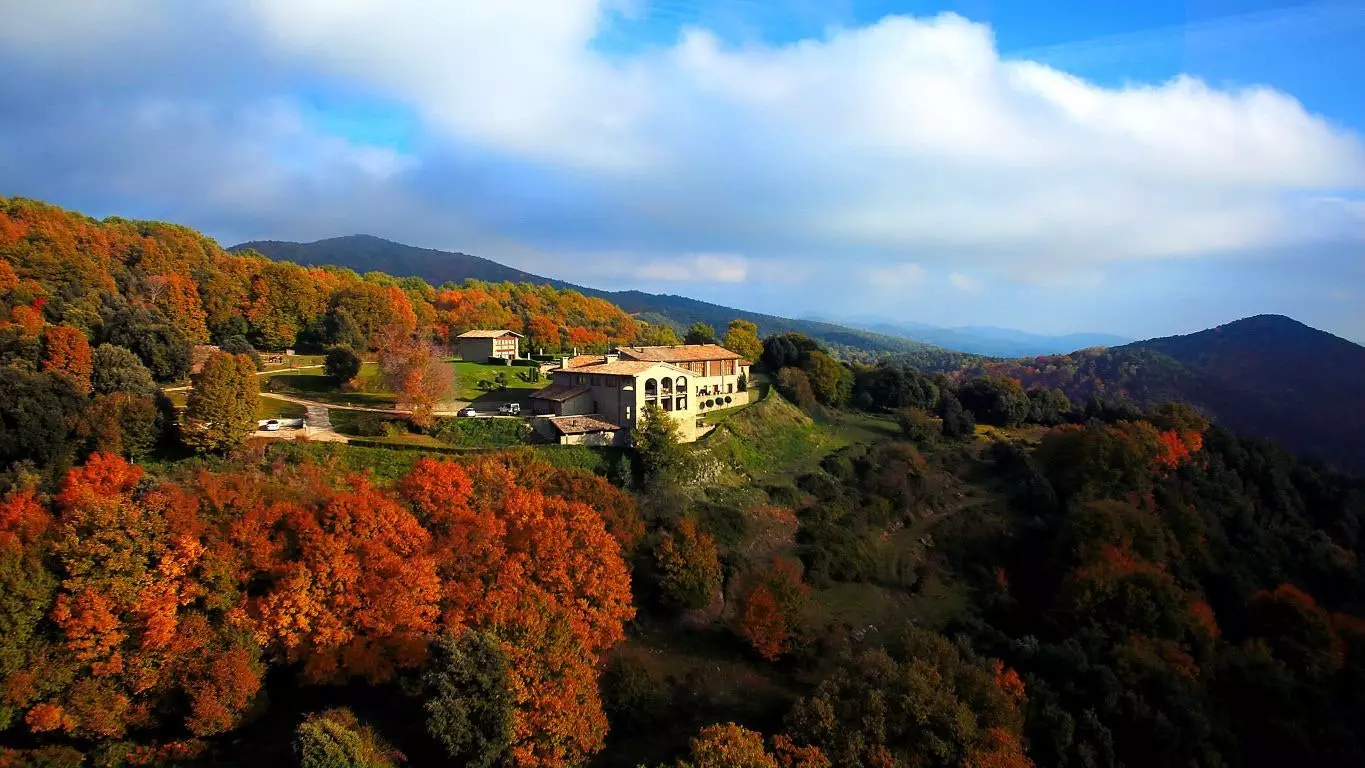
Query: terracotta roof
[(580, 360), (478, 334), (558, 393), (582, 425), (685, 353), (619, 368)]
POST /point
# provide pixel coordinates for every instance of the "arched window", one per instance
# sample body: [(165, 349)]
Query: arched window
[(651, 388), (682, 383), (667, 386)]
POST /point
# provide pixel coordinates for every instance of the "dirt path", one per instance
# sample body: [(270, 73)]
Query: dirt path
[(258, 373)]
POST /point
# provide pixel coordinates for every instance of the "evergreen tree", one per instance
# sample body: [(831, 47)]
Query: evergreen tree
[(658, 442), (469, 709), (222, 406), (957, 421), (700, 333)]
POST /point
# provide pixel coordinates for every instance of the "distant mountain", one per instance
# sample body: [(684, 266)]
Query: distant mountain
[(988, 340), (365, 253), (1264, 376)]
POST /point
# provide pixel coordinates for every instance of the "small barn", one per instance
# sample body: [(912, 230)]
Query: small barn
[(479, 345)]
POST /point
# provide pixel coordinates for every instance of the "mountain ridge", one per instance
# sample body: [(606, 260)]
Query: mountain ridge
[(365, 253)]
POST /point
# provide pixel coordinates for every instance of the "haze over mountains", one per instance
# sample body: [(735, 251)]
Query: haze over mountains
[(365, 253)]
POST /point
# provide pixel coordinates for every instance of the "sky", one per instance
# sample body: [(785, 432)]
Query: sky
[(1142, 168)]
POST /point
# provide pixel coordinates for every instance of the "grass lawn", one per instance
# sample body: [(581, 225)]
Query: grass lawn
[(468, 377), (312, 384), (270, 408)]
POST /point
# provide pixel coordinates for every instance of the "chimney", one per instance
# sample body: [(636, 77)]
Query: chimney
[(611, 357), (564, 363)]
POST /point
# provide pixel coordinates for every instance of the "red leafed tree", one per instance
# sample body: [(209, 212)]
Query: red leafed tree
[(66, 351), (356, 593), (770, 610)]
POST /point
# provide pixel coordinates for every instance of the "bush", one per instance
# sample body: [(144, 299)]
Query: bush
[(371, 425), (917, 426), (481, 433), (710, 403), (631, 695), (498, 361), (342, 364), (729, 399)]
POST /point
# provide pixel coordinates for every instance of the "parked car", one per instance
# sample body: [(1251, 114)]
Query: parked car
[(467, 412), (510, 409), (271, 425)]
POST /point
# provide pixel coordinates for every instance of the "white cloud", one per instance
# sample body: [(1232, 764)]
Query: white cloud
[(896, 276), (963, 282), (908, 136), (695, 268)]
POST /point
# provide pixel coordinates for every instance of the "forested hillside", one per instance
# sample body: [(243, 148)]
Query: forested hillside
[(869, 566), (1265, 376), (364, 253)]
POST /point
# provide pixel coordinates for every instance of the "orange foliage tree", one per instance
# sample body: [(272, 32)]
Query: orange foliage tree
[(66, 351), (770, 610)]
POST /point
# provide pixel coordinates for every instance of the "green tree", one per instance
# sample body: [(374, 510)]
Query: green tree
[(469, 710), (161, 346), (238, 345), (221, 412), (996, 400), (917, 426), (795, 386), (38, 411), (957, 421), (657, 334), (342, 364), (700, 333), (658, 441), (336, 739), (689, 565), (829, 380), (742, 338), (117, 369)]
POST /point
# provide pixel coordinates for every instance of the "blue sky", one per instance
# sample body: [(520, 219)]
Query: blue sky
[(1138, 168)]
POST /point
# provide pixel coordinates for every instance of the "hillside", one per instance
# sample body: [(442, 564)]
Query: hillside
[(1264, 376), (365, 253), (988, 340)]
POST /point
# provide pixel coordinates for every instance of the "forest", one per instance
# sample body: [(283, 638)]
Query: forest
[(873, 565)]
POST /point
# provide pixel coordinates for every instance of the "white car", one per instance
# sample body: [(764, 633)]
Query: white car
[(510, 409), (469, 412), (271, 425)]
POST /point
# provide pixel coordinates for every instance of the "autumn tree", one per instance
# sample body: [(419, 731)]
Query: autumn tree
[(688, 564), (237, 344), (65, 351), (116, 369), (700, 333), (121, 423), (468, 705), (741, 337), (221, 411), (728, 746), (418, 376), (771, 608)]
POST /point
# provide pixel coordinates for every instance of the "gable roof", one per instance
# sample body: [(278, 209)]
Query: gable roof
[(683, 353), (558, 393), (582, 425), (482, 334)]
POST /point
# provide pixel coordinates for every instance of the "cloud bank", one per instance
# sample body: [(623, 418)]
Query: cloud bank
[(903, 146)]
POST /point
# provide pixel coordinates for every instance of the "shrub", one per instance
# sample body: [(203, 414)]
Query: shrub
[(728, 399), (481, 433), (371, 425), (710, 403)]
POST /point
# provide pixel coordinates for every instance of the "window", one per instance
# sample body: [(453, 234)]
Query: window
[(682, 383), (627, 413), (666, 403), (730, 389), (668, 386), (582, 380), (682, 402), (651, 388)]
